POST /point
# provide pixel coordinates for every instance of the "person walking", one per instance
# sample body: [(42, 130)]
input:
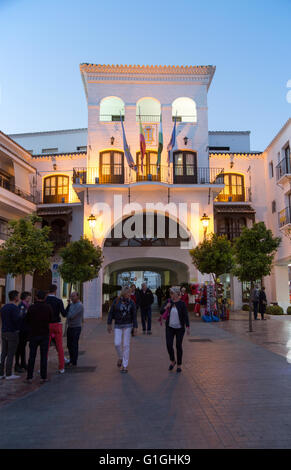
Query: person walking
[(145, 301), (10, 316), (255, 294), (262, 302), (56, 327), (184, 296), (20, 356), (75, 312), (176, 320), (159, 294), (39, 317), (133, 296), (123, 311)]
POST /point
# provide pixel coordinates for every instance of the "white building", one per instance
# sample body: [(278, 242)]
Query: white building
[(215, 171)]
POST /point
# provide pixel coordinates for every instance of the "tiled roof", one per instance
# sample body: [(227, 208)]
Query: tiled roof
[(141, 69), (44, 155), (241, 154)]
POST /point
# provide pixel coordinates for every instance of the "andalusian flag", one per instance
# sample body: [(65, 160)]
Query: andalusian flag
[(127, 153), (160, 147), (172, 144), (142, 144)]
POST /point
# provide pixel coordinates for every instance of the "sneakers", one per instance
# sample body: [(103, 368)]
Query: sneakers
[(12, 377), (67, 361), (61, 371)]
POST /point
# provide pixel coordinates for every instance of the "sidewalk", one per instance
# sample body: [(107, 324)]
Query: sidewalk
[(232, 393)]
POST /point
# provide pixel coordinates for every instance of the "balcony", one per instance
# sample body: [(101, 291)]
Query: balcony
[(16, 190), (236, 194), (284, 219), (283, 170), (119, 175), (231, 234)]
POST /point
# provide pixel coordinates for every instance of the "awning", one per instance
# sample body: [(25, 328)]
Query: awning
[(244, 209), (54, 211)]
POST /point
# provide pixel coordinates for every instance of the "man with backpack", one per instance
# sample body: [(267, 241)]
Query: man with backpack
[(255, 297)]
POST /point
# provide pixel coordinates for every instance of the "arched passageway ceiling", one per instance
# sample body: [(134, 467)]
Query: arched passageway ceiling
[(147, 264)]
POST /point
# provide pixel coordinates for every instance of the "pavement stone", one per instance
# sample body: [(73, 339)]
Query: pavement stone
[(234, 392)]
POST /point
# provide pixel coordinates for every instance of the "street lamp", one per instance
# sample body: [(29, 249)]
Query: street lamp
[(205, 222)]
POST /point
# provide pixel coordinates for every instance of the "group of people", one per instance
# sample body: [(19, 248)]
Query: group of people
[(259, 301), (124, 313), (38, 324)]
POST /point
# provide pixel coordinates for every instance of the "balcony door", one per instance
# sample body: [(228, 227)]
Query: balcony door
[(111, 168), (233, 190), (185, 167), (150, 172), (56, 189)]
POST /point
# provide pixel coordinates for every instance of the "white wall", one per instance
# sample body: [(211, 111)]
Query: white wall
[(64, 140), (236, 141)]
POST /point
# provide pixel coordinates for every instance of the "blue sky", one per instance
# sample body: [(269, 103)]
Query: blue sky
[(42, 44)]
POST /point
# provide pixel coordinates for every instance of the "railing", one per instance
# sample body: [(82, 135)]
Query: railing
[(183, 118), (237, 193), (230, 234), (16, 190), (284, 217), (148, 118), (283, 167), (110, 117), (160, 173), (59, 240)]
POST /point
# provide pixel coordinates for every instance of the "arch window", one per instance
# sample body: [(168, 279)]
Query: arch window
[(234, 190), (150, 170), (148, 110), (185, 167), (111, 167), (56, 189), (111, 108), (184, 109)]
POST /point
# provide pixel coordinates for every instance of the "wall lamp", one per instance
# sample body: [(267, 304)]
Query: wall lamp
[(205, 222), (112, 140), (92, 221), (186, 140)]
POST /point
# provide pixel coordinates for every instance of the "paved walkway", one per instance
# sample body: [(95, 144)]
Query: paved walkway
[(233, 393)]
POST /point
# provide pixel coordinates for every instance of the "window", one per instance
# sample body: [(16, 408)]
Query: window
[(56, 189), (3, 229), (273, 207), (150, 169), (271, 169), (233, 190), (148, 110), (51, 150), (82, 148), (5, 180), (231, 226), (185, 167), (184, 109), (111, 108), (111, 167)]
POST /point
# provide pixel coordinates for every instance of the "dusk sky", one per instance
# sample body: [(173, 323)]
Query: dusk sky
[(42, 44)]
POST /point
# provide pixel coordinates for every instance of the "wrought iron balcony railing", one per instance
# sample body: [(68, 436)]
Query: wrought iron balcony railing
[(116, 174), (234, 193), (16, 190), (283, 167), (284, 217)]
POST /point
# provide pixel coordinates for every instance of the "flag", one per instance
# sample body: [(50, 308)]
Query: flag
[(127, 153), (172, 144), (160, 146), (142, 145)]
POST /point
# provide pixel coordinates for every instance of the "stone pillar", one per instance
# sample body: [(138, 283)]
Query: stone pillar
[(236, 294), (10, 285), (92, 293), (282, 286)]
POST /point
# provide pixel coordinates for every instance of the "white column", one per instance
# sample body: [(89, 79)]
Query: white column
[(92, 295), (282, 286), (10, 285), (236, 294)]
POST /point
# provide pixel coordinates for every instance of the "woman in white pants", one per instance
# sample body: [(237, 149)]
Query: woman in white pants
[(123, 312)]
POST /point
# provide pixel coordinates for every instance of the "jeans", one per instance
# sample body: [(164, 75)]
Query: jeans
[(56, 332), (73, 335), (9, 347), (256, 307), (20, 356), (146, 316), (43, 343), (170, 335), (123, 353)]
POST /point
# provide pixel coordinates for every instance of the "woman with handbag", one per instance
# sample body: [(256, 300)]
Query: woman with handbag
[(174, 311), (123, 311)]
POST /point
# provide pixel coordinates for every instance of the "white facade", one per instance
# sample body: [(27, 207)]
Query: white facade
[(90, 179)]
